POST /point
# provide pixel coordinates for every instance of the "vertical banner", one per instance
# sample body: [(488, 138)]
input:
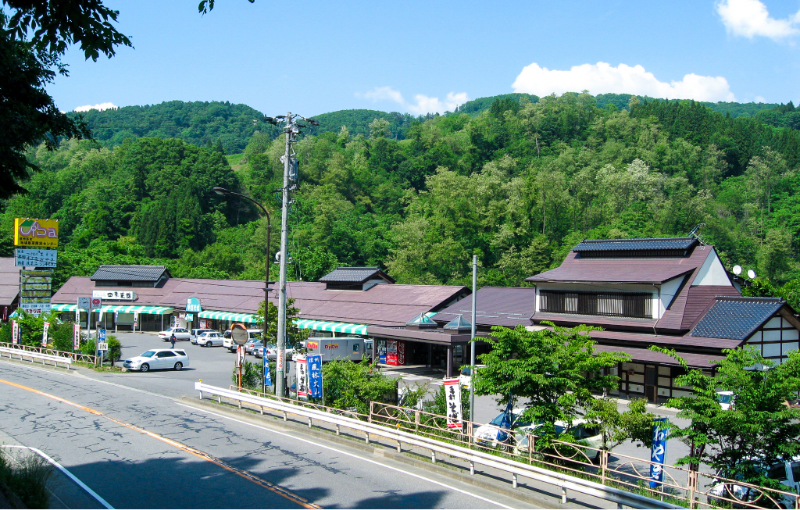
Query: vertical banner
[(658, 452), (452, 392), (301, 373), (76, 336), (240, 356), (267, 374), (14, 332), (135, 320), (315, 375), (44, 334)]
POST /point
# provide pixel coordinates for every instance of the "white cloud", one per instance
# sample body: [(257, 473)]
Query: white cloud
[(423, 104), (99, 107), (760, 99), (750, 18), (602, 78)]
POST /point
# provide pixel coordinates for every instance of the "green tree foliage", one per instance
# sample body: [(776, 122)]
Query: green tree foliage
[(757, 431), (555, 371), (355, 385), (635, 423), (294, 334)]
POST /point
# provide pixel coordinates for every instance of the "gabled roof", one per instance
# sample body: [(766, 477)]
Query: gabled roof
[(129, 273), (638, 245), (736, 318), (355, 275), (575, 269)]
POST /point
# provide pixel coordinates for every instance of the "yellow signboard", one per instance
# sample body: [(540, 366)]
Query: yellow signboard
[(35, 233)]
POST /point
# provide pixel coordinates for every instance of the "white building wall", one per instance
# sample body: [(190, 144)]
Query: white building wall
[(712, 272)]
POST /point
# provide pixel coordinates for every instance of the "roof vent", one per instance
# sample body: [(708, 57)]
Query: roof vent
[(459, 325), (422, 321)]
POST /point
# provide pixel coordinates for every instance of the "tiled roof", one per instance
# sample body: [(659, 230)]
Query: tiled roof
[(129, 273), (736, 317), (9, 281), (623, 270), (496, 306), (694, 360), (666, 243), (354, 275)]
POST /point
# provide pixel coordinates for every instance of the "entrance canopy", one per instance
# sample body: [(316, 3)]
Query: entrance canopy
[(228, 316), (333, 327), (152, 310)]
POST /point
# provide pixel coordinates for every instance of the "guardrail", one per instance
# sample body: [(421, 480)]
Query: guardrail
[(75, 356), (35, 356), (515, 469)]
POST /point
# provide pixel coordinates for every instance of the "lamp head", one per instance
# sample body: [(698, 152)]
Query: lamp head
[(221, 191)]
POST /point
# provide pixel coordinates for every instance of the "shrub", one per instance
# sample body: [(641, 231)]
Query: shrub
[(27, 478), (61, 336)]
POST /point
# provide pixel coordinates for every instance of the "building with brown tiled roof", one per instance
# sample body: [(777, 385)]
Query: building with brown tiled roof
[(9, 287)]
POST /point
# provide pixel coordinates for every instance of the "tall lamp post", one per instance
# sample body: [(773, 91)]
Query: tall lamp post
[(265, 364)]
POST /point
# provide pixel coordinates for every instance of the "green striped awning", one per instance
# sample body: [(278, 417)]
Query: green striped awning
[(334, 327), (152, 310), (63, 307), (228, 316)]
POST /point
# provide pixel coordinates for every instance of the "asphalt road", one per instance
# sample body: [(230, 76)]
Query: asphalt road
[(130, 439)]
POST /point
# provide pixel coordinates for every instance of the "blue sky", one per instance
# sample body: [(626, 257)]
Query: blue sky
[(314, 57)]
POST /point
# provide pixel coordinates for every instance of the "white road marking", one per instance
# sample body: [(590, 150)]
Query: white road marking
[(294, 437)]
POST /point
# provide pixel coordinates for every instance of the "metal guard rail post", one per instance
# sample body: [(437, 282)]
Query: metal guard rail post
[(563, 481), (36, 356)]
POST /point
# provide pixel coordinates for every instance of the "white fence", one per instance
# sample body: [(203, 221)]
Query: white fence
[(514, 469), (34, 356)]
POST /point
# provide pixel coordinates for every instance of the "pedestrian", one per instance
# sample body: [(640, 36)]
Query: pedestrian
[(172, 340)]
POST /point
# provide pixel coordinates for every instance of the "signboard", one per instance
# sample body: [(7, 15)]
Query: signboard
[(658, 452), (301, 373), (14, 332), (186, 316), (267, 374), (84, 303), (135, 320), (35, 290), (102, 346), (241, 353), (34, 258), (96, 302), (315, 376), (35, 233), (44, 334), (452, 392), (193, 305), (101, 335), (114, 295), (76, 336)]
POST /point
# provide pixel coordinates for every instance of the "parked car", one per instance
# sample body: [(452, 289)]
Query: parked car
[(193, 334), (209, 339), (272, 352), (726, 400), (786, 472), (229, 344), (492, 434), (180, 334), (585, 434), (465, 377), (252, 345), (155, 359)]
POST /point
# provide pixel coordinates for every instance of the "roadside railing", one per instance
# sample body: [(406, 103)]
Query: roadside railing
[(22, 354), (685, 487), (436, 447), (74, 356)]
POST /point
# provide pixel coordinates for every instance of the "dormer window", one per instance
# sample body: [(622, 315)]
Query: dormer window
[(610, 304)]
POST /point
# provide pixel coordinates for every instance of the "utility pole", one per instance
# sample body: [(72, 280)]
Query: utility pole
[(291, 129), (472, 339)]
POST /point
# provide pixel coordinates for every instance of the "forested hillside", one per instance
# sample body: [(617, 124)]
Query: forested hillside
[(518, 184)]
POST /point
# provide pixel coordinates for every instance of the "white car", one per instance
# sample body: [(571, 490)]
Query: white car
[(193, 334), (726, 400), (180, 334), (585, 434), (156, 359), (493, 433), (787, 473), (272, 352), (209, 339)]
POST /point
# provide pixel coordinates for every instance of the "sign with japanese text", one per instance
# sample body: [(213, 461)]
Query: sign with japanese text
[(34, 258), (267, 374), (44, 334), (193, 305), (76, 336), (114, 295), (35, 233), (135, 320), (452, 392), (658, 452), (35, 291), (84, 303), (14, 332), (301, 374), (315, 375)]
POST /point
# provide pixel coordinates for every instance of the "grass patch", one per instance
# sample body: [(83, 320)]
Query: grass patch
[(235, 161), (26, 476)]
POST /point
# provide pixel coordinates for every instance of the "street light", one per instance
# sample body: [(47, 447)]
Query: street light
[(265, 365)]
